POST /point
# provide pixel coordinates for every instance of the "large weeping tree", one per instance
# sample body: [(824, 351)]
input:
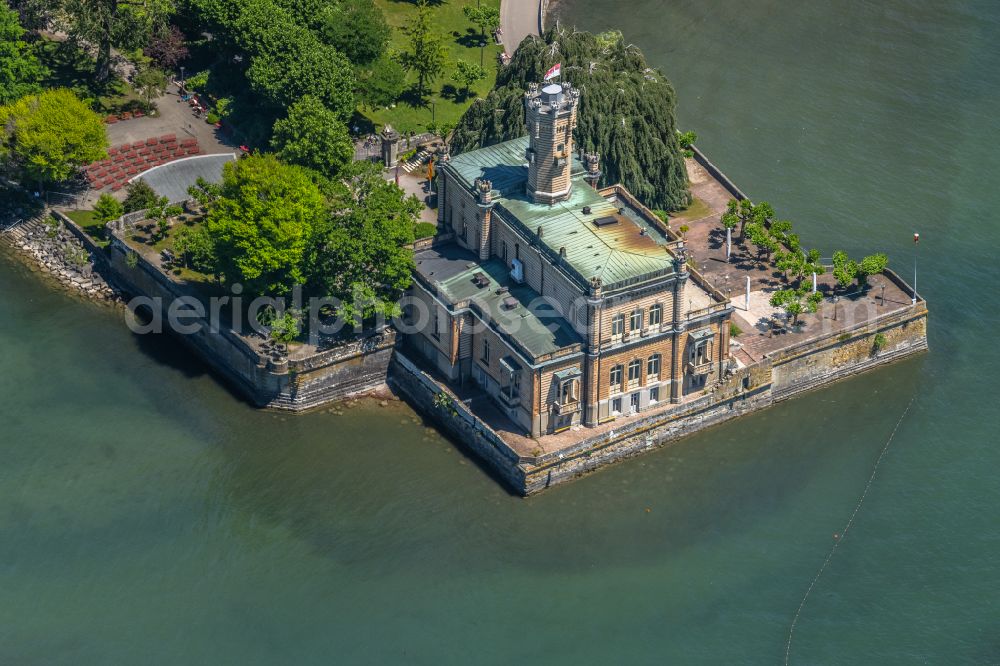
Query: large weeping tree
[(626, 111)]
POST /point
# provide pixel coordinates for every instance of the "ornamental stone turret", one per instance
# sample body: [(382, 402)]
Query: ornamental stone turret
[(550, 115), (593, 163)]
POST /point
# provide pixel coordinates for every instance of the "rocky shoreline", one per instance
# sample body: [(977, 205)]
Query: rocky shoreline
[(45, 242)]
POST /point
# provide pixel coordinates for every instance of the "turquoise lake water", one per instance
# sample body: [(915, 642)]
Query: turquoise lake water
[(148, 516)]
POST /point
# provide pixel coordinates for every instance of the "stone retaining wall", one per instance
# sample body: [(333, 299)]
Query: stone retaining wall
[(357, 367), (803, 367)]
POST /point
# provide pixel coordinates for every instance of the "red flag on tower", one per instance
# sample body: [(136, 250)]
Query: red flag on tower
[(554, 72)]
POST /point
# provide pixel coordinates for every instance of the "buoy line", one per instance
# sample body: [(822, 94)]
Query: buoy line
[(838, 540)]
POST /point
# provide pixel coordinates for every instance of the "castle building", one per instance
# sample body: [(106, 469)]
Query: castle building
[(568, 305)]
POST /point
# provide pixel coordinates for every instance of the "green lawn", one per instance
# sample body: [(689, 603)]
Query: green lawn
[(442, 103), (87, 220), (697, 210)]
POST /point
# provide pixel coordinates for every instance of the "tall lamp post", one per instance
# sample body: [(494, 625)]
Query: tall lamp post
[(916, 241)]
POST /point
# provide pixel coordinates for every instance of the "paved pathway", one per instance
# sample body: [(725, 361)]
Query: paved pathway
[(518, 19)]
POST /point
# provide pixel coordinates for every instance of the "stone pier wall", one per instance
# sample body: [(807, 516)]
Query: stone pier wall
[(354, 368), (808, 365)]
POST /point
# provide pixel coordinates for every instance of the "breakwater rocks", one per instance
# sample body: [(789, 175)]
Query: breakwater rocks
[(55, 249)]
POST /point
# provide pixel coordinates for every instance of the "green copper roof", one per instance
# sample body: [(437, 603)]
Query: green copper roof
[(526, 320), (626, 250), (503, 164)]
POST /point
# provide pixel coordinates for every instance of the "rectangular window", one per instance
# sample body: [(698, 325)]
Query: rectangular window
[(617, 325), (655, 315), (616, 406), (437, 326), (486, 352), (634, 371), (654, 395), (503, 251), (633, 402), (636, 322)]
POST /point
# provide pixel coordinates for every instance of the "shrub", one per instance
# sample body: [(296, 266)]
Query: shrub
[(286, 327), (197, 81), (734, 330), (139, 196), (108, 208), (879, 343)]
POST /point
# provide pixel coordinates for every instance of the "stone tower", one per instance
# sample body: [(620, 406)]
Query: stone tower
[(550, 115)]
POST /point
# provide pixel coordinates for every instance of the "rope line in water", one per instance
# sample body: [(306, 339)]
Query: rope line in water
[(843, 534)]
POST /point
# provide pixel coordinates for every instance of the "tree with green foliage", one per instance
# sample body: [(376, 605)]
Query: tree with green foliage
[(287, 326), (20, 71), (304, 66), (845, 269), (140, 195), (108, 208), (796, 301), (427, 54), (111, 24), (626, 112), (765, 243), (361, 253), (356, 28), (48, 136), (873, 264), (262, 221), (196, 250), (381, 83), (313, 136), (467, 74), (150, 83), (484, 17), (731, 218)]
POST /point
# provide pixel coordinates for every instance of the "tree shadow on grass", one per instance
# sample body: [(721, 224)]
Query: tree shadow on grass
[(471, 39), (448, 91), (413, 98)]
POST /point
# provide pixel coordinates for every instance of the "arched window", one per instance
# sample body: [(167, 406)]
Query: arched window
[(653, 366), (634, 372), (635, 323), (616, 379)]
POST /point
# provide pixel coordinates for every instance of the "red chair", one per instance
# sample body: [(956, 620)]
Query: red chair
[(152, 141)]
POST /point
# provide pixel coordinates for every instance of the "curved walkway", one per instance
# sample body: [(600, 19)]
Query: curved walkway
[(518, 19)]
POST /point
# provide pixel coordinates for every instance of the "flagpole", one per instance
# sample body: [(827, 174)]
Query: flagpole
[(916, 243)]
